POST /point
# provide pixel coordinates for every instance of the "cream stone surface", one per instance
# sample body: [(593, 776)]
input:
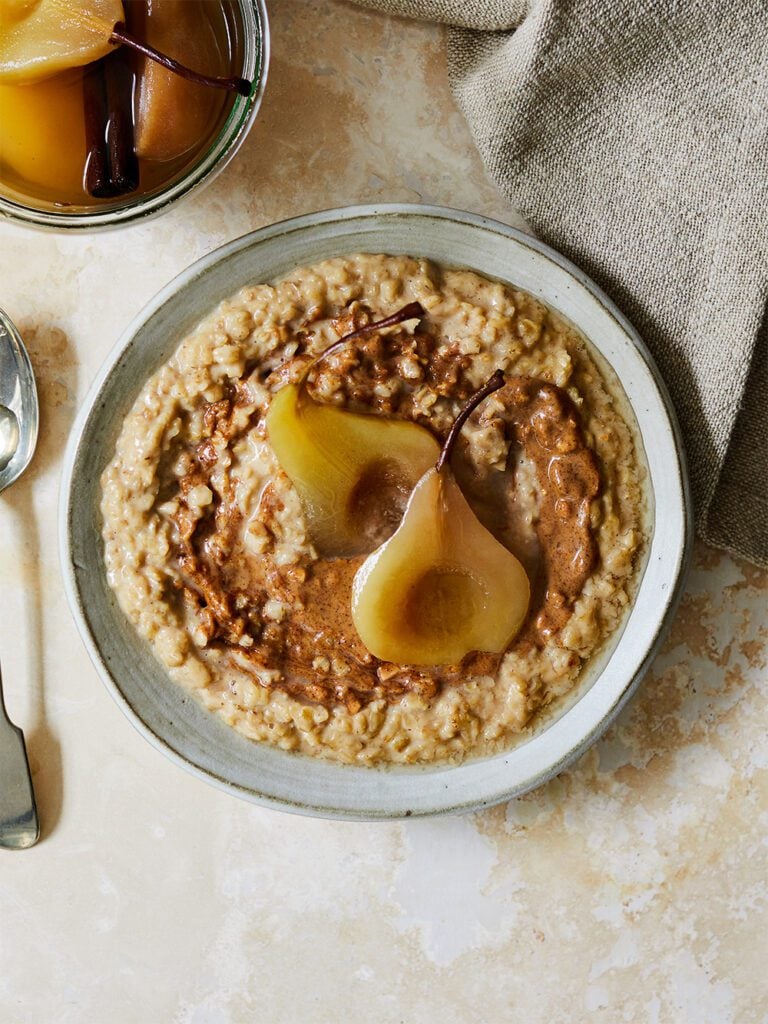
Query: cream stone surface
[(631, 888)]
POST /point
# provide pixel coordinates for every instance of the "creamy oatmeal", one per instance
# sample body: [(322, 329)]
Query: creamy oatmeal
[(207, 547)]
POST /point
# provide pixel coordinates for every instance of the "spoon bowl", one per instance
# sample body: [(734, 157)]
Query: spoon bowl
[(19, 418), (9, 436)]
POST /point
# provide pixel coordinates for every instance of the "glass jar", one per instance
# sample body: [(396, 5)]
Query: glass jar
[(134, 208)]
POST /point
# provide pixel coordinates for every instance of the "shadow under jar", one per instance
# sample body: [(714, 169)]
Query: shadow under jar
[(160, 135)]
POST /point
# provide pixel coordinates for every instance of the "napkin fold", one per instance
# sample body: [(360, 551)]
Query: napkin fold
[(633, 137)]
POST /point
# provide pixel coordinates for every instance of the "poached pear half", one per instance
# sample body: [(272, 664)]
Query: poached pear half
[(442, 586), (40, 38), (354, 473)]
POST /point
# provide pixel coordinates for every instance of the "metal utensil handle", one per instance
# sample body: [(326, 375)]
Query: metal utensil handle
[(19, 826)]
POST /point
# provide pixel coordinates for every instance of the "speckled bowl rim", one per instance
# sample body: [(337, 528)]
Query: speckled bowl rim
[(558, 744)]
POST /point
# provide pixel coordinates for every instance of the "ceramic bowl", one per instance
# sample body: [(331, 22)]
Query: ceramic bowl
[(196, 739)]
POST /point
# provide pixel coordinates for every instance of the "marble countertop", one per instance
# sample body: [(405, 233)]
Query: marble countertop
[(631, 888)]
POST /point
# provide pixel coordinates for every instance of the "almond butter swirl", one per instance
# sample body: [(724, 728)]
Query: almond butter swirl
[(224, 586)]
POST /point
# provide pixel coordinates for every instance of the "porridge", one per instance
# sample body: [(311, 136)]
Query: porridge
[(209, 545)]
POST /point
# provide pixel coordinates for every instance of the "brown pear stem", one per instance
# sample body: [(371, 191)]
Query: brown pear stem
[(409, 312), (232, 84), (492, 384)]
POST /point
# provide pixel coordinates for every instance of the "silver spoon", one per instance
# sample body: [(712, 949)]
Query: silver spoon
[(19, 826)]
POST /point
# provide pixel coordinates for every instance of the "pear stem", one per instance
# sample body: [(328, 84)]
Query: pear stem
[(232, 84), (412, 311), (492, 384), (409, 312)]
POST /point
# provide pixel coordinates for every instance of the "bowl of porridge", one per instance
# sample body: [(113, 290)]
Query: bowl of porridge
[(361, 517)]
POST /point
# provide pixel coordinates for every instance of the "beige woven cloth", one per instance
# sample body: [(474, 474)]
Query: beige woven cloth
[(633, 137)]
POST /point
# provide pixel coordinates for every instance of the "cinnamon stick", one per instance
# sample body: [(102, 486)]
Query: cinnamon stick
[(111, 166), (123, 163), (96, 176)]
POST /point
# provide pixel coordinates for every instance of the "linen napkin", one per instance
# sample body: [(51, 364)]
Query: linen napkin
[(633, 137)]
